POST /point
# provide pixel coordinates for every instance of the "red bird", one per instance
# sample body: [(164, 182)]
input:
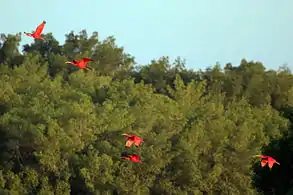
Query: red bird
[(132, 139), (134, 157), (38, 32), (267, 159), (81, 64)]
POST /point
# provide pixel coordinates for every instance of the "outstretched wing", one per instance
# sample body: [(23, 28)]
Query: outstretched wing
[(87, 60), (128, 143), (39, 29), (263, 163), (136, 156), (137, 141), (271, 163)]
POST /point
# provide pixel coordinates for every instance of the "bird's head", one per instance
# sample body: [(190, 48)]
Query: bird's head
[(124, 154)]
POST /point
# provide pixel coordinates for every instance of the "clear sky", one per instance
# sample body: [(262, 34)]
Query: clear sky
[(201, 31)]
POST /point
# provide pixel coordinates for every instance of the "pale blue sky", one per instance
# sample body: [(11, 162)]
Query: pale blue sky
[(202, 32)]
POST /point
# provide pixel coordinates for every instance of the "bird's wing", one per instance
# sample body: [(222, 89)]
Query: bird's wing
[(39, 29), (87, 60), (263, 163), (271, 163), (128, 143), (137, 141), (136, 156)]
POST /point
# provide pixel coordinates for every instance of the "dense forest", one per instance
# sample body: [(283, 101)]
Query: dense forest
[(61, 127)]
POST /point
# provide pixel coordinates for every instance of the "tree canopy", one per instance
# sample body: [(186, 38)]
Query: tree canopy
[(60, 126)]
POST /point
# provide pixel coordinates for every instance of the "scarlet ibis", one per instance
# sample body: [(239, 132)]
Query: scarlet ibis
[(81, 64), (132, 139), (38, 32), (267, 160), (134, 157)]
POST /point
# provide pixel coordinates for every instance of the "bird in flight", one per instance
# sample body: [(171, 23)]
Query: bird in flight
[(134, 157), (267, 160), (38, 32), (80, 64), (132, 139)]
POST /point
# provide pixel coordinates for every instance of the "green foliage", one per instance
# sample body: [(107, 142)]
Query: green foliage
[(60, 127)]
